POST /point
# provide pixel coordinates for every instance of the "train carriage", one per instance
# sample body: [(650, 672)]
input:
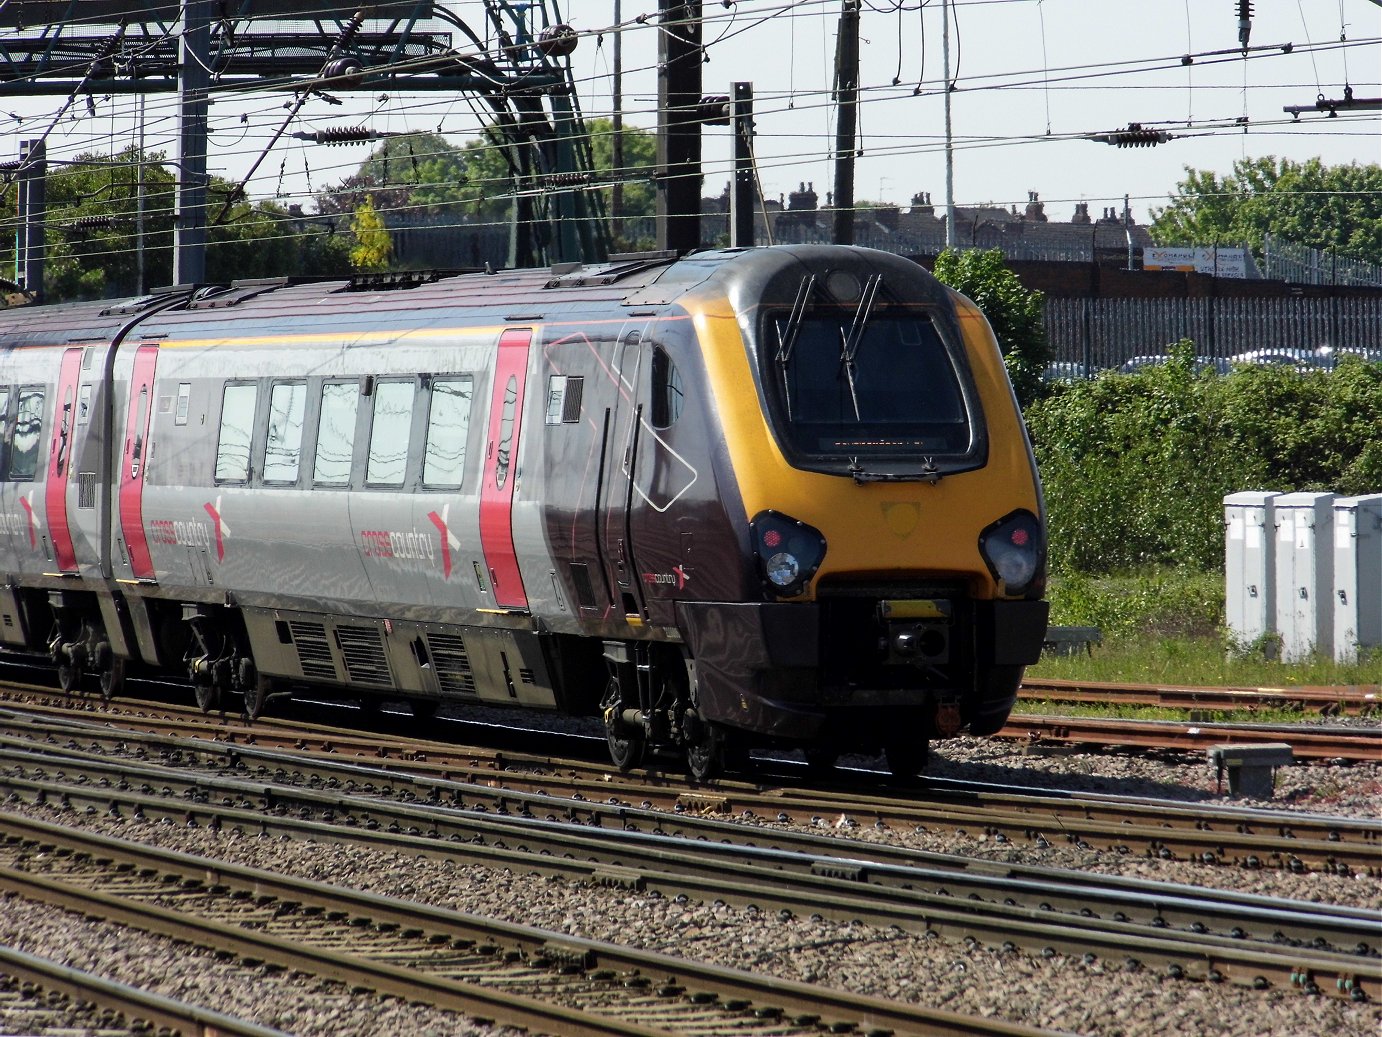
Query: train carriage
[(745, 497)]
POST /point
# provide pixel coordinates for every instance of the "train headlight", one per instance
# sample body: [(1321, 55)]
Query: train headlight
[(1014, 549), (788, 552)]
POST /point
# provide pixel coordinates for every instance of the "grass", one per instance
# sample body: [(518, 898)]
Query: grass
[(1166, 626), (1200, 661), (1115, 711)]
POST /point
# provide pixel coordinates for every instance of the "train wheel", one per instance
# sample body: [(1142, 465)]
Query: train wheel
[(423, 709), (628, 743), (69, 676), (256, 695), (712, 749), (907, 759), (208, 696), (112, 678), (820, 761)]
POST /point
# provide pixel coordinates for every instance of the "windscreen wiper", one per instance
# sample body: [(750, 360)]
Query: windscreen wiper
[(787, 337), (850, 341)]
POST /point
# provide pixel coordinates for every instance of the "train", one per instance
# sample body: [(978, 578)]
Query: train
[(780, 496)]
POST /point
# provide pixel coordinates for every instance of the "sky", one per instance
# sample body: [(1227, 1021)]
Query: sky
[(1032, 79)]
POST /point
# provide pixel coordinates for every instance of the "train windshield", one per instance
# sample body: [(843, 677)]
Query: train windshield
[(847, 388)]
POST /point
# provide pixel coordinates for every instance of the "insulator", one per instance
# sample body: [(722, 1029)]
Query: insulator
[(557, 41), (345, 71), (1244, 22), (1135, 137), (344, 135), (714, 110)]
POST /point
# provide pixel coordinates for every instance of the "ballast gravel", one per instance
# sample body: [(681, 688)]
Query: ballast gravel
[(1060, 993)]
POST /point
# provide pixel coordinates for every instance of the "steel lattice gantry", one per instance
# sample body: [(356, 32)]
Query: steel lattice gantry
[(516, 61)]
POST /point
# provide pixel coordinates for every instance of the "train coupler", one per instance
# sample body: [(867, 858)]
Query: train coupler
[(948, 718)]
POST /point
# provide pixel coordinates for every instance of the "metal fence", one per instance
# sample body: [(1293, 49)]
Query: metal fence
[(1102, 333), (1299, 264)]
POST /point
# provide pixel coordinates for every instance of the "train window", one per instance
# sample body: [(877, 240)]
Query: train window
[(28, 434), (283, 445), (667, 392), (336, 433), (505, 449), (237, 430), (895, 391), (388, 443), (4, 425), (448, 426)]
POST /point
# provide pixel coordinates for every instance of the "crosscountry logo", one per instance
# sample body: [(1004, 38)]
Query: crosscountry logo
[(448, 539), (27, 503), (222, 530)]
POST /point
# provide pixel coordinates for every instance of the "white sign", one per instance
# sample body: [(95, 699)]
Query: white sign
[(1221, 262)]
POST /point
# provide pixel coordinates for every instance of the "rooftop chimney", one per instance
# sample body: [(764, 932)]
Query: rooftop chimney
[(1081, 214), (1035, 210)]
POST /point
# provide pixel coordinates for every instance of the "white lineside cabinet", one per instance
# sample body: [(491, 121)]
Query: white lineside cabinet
[(1304, 574), (1357, 575), (1249, 566)]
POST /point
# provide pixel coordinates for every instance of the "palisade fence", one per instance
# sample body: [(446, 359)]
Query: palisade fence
[(1300, 264), (1103, 333)]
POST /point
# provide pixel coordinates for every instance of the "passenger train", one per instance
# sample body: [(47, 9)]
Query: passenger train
[(773, 496)]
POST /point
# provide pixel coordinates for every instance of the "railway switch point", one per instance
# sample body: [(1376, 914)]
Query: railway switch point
[(1251, 767)]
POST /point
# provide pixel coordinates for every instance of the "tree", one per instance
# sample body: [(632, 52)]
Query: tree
[(373, 248), (95, 243), (1016, 314), (1308, 203), (474, 182)]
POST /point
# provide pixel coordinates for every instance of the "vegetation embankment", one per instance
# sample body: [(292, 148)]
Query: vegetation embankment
[(1135, 469)]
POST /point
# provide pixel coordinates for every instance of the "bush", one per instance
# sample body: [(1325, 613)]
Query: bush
[(1135, 467)]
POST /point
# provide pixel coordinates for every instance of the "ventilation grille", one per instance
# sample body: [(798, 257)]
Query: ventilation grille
[(526, 675), (314, 651), (86, 489), (585, 592), (452, 664), (571, 405), (363, 651)]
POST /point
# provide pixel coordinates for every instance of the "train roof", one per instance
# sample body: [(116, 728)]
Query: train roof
[(403, 301)]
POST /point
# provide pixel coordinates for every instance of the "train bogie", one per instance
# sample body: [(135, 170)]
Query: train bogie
[(776, 496)]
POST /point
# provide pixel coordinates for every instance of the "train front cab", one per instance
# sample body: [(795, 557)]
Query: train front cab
[(896, 527)]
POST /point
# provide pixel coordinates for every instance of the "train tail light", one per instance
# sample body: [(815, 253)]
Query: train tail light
[(1014, 549), (788, 552)]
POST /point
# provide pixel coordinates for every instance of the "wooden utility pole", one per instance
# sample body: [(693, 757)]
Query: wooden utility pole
[(846, 120), (679, 140)]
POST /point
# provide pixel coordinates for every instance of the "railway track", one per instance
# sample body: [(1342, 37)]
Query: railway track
[(493, 971), (1183, 931), (1307, 743), (1209, 833), (42, 996), (1358, 699)]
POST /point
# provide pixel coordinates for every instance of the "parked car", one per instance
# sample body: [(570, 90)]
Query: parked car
[(1300, 359), (1066, 371), (1329, 356), (1218, 364)]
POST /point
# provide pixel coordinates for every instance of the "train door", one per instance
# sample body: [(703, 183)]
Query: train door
[(620, 465), (60, 461), (501, 468), (134, 462)]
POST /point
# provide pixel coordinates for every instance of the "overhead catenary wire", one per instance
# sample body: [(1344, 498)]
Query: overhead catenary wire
[(871, 95)]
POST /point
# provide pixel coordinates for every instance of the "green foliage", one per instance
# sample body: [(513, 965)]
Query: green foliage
[(1135, 467), (1152, 602), (1308, 203), (1016, 314), (373, 247), (422, 173), (94, 242)]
